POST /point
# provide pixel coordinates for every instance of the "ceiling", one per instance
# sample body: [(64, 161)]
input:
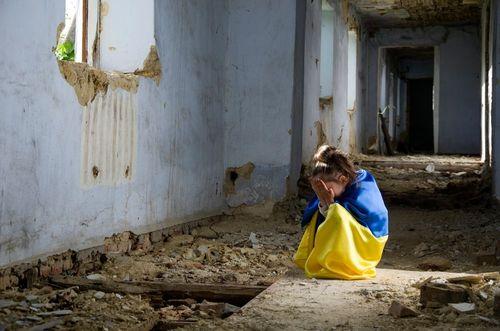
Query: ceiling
[(401, 13), (420, 53)]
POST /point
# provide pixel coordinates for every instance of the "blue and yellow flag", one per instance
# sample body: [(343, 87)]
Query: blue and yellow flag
[(348, 244)]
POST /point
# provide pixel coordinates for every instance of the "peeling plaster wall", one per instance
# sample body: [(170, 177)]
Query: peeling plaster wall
[(459, 90), (334, 123), (179, 169), (225, 99), (312, 55), (259, 73), (337, 122)]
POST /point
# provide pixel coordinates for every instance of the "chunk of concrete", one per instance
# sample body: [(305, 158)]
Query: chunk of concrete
[(399, 310), (463, 307), (443, 293), (96, 277), (204, 232)]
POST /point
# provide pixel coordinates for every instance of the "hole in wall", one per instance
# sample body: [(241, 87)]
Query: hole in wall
[(95, 171), (236, 173), (233, 176)]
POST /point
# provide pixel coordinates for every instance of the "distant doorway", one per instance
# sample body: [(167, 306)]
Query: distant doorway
[(420, 115)]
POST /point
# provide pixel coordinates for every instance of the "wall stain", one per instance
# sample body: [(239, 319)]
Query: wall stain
[(320, 134), (108, 142)]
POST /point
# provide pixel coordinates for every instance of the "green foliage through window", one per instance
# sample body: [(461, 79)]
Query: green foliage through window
[(65, 51)]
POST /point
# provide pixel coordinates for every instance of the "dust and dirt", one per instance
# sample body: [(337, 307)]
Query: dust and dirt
[(255, 246), (243, 248)]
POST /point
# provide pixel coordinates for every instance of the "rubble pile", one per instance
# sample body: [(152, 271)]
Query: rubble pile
[(430, 188), (44, 308), (243, 248), (462, 300)]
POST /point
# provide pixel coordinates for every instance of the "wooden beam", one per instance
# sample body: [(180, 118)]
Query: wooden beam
[(85, 30), (234, 294), (387, 138)]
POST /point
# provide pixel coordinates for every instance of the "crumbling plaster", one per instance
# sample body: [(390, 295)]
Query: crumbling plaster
[(338, 123), (407, 13), (217, 87), (43, 207)]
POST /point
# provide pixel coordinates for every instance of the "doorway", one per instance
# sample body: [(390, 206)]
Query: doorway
[(420, 115)]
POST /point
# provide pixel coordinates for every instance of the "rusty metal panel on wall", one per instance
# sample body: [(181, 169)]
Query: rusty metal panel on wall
[(109, 139)]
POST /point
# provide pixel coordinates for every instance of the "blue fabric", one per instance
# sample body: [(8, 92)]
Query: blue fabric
[(363, 200)]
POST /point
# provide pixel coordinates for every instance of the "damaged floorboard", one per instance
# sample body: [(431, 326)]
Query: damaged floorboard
[(234, 294)]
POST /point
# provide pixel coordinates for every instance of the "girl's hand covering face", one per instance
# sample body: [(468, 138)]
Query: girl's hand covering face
[(325, 195)]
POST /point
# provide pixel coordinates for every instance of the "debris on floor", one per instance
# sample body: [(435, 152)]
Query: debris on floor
[(153, 281), (242, 249)]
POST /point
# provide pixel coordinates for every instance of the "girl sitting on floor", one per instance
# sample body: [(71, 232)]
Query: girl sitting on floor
[(346, 222)]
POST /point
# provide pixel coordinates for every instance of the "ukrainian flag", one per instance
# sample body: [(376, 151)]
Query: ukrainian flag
[(348, 244)]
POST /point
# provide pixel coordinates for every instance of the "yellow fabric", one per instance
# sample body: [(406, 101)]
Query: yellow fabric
[(342, 248)]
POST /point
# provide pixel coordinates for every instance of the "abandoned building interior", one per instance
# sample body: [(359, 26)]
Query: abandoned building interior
[(156, 154)]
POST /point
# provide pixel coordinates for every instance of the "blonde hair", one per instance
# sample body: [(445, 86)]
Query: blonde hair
[(330, 162)]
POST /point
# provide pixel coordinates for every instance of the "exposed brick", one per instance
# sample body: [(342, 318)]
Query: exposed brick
[(8, 279), (144, 243), (157, 236), (120, 243), (44, 270), (30, 277)]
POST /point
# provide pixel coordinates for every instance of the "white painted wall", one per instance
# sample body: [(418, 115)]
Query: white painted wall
[(352, 71), (218, 86), (259, 64), (336, 123), (127, 33), (339, 122), (460, 93), (326, 61), (417, 68), (312, 56)]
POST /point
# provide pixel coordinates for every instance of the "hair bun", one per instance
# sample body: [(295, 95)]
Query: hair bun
[(324, 154)]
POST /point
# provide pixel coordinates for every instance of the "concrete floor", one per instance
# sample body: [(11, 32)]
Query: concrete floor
[(297, 303)]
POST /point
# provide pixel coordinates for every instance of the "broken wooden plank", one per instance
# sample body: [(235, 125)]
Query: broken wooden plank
[(387, 138), (234, 294)]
